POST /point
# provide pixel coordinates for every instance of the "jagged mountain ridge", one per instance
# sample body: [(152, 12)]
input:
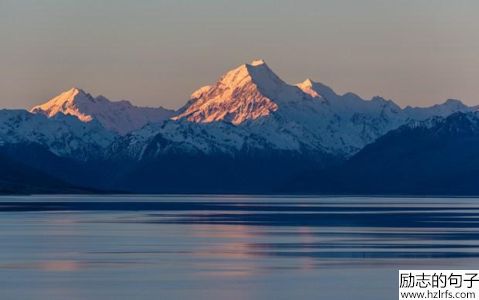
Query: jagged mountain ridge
[(268, 113), (119, 116)]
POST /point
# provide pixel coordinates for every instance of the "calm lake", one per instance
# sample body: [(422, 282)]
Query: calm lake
[(227, 247)]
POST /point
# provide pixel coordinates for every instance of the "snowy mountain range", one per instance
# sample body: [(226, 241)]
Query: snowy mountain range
[(266, 113), (250, 115)]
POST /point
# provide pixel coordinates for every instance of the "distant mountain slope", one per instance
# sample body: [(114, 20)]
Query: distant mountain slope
[(94, 174), (120, 116), (438, 156), (17, 178), (180, 173)]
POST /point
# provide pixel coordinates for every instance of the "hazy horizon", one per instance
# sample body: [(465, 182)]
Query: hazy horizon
[(155, 53)]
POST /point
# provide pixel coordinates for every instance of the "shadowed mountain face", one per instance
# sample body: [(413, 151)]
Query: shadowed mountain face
[(90, 175), (18, 177), (438, 156), (249, 173), (250, 132)]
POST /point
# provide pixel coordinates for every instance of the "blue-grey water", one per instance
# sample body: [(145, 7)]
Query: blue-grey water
[(225, 247)]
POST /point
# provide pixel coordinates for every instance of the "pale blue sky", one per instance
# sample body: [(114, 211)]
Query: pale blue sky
[(157, 52)]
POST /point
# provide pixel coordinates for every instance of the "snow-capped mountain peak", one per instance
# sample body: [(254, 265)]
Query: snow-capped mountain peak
[(244, 93), (308, 87), (119, 116), (316, 89), (69, 103), (257, 73)]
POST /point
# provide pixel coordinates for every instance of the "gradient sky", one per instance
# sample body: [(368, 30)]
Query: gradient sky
[(158, 52)]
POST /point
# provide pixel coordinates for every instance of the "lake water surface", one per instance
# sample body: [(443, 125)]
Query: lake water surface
[(227, 247)]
